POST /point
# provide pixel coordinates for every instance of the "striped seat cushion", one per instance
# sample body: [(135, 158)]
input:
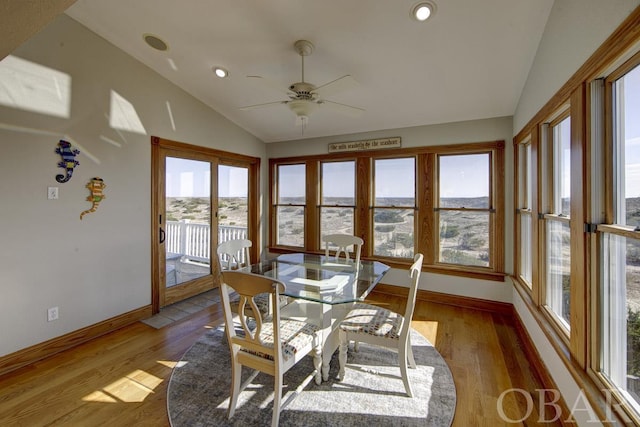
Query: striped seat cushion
[(294, 334), (371, 320)]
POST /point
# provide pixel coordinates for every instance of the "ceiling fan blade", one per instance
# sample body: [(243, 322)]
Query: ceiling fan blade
[(266, 104), (338, 85), (343, 108), (271, 84)]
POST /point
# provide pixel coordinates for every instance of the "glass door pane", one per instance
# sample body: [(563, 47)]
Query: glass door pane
[(188, 220)]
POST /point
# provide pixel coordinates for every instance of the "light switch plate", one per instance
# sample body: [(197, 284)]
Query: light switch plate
[(52, 193)]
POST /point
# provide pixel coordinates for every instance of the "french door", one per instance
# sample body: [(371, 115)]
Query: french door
[(201, 197)]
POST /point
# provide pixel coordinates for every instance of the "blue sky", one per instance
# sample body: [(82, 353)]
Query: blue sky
[(632, 133)]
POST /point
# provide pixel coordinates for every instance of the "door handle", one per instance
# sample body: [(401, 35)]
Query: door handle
[(162, 235)]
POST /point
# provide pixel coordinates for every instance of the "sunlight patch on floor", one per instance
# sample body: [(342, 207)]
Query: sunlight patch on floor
[(134, 387), (99, 396), (427, 328), (168, 363)]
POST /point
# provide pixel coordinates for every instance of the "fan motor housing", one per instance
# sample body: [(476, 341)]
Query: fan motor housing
[(304, 90)]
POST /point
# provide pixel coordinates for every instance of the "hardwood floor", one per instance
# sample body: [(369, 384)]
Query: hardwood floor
[(121, 379)]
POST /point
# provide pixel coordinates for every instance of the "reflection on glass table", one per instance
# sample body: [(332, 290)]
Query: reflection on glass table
[(322, 290)]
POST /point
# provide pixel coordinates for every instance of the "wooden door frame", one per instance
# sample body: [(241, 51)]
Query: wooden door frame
[(216, 157)]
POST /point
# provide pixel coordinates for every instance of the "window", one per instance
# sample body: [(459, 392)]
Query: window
[(393, 207), (338, 197), (290, 205), (396, 200), (464, 209), (557, 225), (524, 212), (620, 242), (584, 171)]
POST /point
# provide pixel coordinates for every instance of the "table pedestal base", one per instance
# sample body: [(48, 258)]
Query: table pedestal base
[(327, 317)]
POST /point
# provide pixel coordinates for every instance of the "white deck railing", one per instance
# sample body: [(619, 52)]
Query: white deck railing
[(191, 240)]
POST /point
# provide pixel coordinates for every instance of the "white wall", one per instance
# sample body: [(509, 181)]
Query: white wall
[(99, 267), (575, 29), (442, 134)]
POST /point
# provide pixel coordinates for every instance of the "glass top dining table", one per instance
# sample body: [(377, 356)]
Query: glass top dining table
[(314, 277)]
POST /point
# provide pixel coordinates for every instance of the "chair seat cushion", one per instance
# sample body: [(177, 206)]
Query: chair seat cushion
[(371, 320), (295, 336)]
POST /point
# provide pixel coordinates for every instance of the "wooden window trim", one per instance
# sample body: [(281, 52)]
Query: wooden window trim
[(586, 381), (273, 202), (616, 46), (426, 181), (321, 203)]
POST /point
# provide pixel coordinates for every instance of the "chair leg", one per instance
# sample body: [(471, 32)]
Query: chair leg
[(236, 374), (317, 363), (342, 355), (277, 399), (402, 361), (412, 361)]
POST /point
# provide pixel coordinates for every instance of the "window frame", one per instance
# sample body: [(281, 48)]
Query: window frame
[(490, 210), (374, 207), (610, 227), (592, 163), (524, 199), (321, 203), (426, 182), (552, 214), (275, 205)]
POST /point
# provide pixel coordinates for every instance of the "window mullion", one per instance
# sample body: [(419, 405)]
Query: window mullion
[(312, 214), (363, 215), (579, 295)]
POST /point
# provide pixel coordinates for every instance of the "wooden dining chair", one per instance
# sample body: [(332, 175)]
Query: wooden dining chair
[(385, 328), (233, 255), (343, 242), (272, 345)]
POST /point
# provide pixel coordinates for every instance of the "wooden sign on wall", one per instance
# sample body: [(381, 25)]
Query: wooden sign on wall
[(367, 144)]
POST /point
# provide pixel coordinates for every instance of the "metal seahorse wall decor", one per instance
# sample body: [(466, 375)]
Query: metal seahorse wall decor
[(68, 161), (96, 186)]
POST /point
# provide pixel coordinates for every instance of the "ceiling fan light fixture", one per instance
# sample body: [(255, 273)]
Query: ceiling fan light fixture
[(301, 107), (423, 11), (220, 72)]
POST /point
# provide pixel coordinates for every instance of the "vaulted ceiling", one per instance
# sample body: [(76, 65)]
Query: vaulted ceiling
[(469, 61)]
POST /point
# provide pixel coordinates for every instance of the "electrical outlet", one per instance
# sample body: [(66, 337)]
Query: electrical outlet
[(52, 314), (52, 193)]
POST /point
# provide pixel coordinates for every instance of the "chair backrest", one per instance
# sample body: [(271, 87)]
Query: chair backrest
[(343, 242), (247, 286), (414, 275), (234, 254)]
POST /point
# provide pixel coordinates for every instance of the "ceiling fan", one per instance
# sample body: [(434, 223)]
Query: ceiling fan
[(304, 97)]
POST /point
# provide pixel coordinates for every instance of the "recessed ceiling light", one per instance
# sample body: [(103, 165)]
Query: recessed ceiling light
[(423, 11), (155, 42), (220, 72)]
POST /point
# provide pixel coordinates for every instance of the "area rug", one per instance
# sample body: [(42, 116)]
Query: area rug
[(371, 394)]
